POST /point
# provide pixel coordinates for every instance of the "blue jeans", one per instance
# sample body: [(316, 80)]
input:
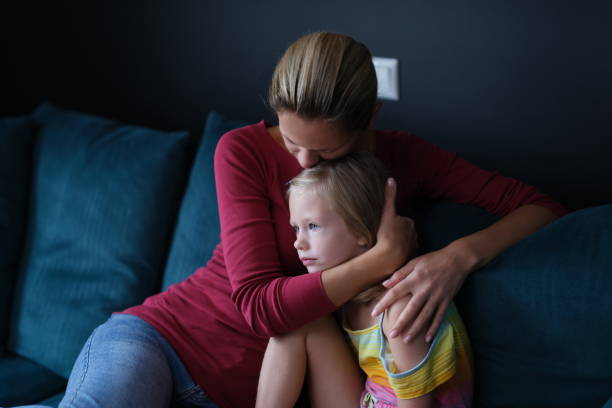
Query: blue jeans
[(127, 363)]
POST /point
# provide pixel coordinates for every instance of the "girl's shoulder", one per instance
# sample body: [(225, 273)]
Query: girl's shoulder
[(357, 316)]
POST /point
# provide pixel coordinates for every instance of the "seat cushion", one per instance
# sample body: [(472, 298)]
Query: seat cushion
[(16, 141), (52, 401), (105, 201), (197, 230), (539, 314), (25, 382)]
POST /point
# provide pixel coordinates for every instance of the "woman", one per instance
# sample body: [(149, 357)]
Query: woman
[(201, 342)]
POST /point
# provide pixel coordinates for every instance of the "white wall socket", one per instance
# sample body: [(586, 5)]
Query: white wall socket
[(388, 77)]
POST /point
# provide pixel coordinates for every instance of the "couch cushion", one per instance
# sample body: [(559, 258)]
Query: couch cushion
[(105, 201), (25, 382), (197, 231), (539, 315), (52, 401), (16, 140)]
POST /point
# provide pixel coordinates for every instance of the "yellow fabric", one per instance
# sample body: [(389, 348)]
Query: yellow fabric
[(449, 349)]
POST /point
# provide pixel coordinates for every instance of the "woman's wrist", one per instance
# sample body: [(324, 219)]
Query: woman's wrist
[(466, 254)]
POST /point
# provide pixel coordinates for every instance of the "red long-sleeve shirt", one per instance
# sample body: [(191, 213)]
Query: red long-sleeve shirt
[(255, 287)]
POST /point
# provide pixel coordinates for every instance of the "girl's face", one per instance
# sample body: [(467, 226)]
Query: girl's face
[(312, 140), (323, 240)]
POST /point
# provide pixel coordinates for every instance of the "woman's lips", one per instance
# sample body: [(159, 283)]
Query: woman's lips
[(308, 261)]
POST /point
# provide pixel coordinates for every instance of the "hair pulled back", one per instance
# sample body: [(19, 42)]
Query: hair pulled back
[(326, 76)]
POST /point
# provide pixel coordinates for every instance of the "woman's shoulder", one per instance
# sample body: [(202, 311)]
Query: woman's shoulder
[(252, 140), (250, 135), (394, 139)]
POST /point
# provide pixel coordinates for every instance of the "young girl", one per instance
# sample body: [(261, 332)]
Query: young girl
[(335, 210)]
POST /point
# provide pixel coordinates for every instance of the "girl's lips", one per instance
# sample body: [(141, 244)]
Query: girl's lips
[(308, 261)]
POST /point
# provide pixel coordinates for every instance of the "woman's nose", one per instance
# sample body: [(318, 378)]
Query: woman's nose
[(307, 159)]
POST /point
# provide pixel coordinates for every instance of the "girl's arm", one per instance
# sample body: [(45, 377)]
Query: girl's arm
[(406, 355)]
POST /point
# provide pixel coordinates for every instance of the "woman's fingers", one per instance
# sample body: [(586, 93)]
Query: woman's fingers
[(433, 328), (400, 274), (388, 216), (406, 318), (412, 327), (390, 192), (401, 289)]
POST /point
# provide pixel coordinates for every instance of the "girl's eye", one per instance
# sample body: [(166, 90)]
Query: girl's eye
[(313, 226), (296, 228)]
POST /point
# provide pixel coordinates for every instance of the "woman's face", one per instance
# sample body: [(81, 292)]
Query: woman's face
[(312, 140)]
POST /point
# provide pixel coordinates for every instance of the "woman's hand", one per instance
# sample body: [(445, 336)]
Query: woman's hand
[(396, 239), (431, 281)]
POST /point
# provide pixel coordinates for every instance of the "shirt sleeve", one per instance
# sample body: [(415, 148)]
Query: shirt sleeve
[(445, 175), (271, 302), (437, 367)]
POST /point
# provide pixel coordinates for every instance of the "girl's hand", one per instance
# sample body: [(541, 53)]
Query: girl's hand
[(431, 281), (396, 239)]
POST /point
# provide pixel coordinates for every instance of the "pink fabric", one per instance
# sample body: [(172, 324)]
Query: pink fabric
[(254, 287), (377, 396)]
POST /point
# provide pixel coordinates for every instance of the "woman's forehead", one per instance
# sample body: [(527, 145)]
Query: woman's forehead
[(311, 134)]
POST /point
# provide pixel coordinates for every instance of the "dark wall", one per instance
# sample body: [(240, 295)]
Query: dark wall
[(524, 88)]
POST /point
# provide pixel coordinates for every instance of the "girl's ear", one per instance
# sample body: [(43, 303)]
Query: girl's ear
[(362, 241)]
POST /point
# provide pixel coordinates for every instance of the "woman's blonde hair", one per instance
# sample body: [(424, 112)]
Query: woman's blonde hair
[(355, 187), (326, 76)]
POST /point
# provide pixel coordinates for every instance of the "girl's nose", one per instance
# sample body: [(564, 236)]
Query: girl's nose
[(300, 243)]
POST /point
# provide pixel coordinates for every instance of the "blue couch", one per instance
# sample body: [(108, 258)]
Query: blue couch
[(96, 215)]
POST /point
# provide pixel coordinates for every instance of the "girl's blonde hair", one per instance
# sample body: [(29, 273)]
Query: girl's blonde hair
[(355, 187), (326, 76)]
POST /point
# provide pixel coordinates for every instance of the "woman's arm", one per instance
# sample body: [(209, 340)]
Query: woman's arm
[(432, 280), (435, 278), (395, 241), (254, 248)]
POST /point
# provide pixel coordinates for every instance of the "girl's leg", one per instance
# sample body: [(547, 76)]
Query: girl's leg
[(319, 350)]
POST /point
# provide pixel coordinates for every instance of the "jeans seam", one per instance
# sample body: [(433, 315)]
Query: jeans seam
[(86, 368), (188, 393)]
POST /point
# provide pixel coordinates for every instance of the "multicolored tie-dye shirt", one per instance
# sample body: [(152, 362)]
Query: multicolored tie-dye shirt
[(446, 370)]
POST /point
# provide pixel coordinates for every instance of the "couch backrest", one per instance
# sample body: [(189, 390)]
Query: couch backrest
[(539, 314), (16, 141), (104, 202)]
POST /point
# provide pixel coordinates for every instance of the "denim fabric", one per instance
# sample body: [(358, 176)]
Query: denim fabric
[(127, 363)]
